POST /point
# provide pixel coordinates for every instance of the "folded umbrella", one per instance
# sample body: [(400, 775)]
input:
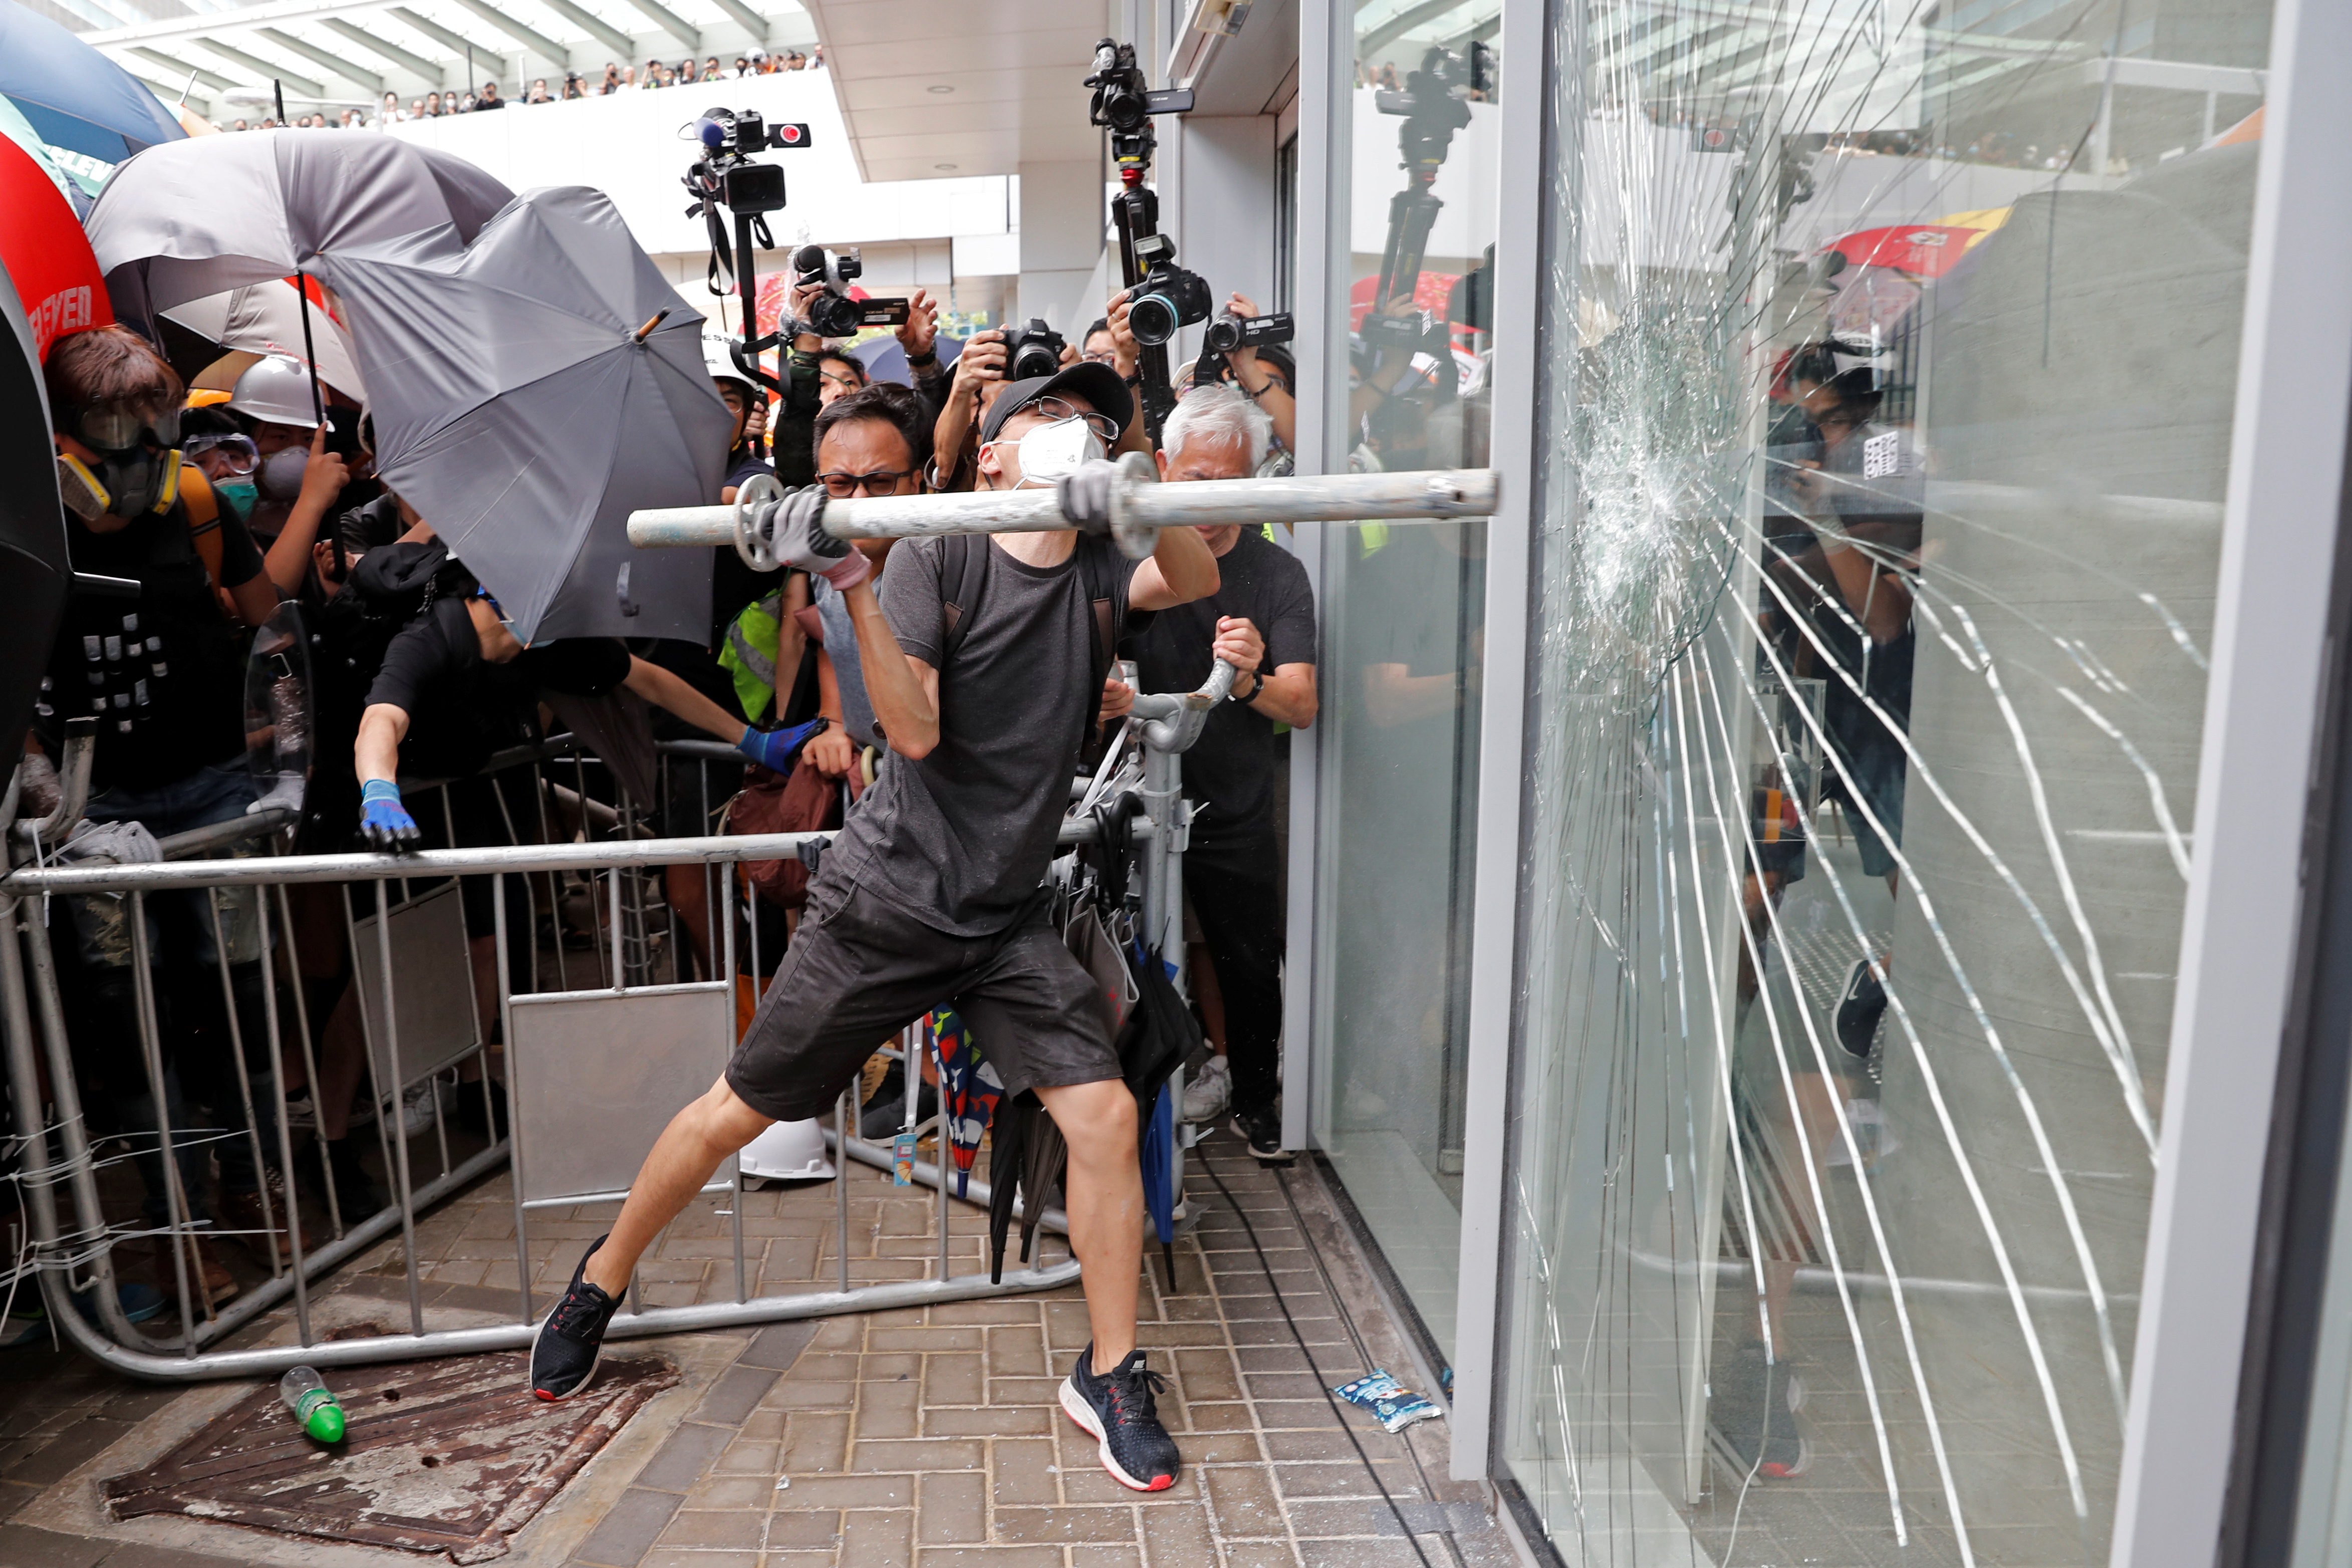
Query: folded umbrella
[(73, 96), (1157, 1037), (206, 214), (971, 1090), (529, 390)]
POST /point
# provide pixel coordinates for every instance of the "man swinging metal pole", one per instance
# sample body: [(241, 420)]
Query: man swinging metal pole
[(987, 661)]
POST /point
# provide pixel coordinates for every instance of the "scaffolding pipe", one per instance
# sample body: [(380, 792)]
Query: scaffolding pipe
[(1137, 506)]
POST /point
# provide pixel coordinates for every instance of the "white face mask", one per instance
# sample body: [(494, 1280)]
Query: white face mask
[(280, 476), (1053, 452)]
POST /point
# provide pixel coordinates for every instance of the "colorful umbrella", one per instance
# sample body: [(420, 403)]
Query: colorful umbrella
[(74, 97), (48, 259), (970, 1089), (1924, 250)]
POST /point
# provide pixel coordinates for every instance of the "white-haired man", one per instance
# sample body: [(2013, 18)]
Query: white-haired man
[(1262, 620)]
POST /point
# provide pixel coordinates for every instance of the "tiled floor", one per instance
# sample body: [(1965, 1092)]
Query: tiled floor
[(926, 1437)]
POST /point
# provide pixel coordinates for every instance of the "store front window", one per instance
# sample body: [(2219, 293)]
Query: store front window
[(1404, 606), (1888, 369)]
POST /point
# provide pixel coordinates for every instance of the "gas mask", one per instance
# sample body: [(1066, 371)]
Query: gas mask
[(126, 483), (280, 477), (1050, 453)]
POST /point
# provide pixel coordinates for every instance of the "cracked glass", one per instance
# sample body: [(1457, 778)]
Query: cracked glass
[(1890, 352)]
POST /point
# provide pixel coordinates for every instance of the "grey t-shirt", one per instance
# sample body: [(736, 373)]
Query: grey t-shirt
[(961, 840)]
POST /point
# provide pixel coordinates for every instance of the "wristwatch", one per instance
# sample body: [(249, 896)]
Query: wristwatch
[(1258, 685), (923, 361)]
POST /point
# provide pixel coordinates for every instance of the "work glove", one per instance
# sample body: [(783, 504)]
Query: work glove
[(776, 749), (1084, 495), (385, 823), (797, 528)]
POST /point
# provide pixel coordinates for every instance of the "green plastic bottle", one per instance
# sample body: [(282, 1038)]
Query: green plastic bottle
[(306, 1393)]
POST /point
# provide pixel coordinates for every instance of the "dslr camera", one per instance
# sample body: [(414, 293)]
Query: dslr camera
[(726, 175), (1035, 351), (834, 314), (1167, 297)]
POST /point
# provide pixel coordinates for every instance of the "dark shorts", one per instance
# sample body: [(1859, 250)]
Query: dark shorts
[(861, 969)]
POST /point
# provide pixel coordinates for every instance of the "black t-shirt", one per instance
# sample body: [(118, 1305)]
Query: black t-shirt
[(1229, 772), (961, 839), (461, 707), (165, 673)]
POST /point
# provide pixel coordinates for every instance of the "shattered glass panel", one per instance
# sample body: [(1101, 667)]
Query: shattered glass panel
[(1890, 354), (1404, 609)]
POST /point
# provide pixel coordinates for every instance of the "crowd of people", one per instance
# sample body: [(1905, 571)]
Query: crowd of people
[(951, 688), (616, 77)]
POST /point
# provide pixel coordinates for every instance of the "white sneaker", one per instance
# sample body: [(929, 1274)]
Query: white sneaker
[(1207, 1095)]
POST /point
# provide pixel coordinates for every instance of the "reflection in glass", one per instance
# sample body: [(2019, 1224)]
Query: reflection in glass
[(1892, 349), (1405, 605)]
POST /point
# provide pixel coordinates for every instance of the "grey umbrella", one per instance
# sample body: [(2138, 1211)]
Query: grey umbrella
[(531, 390), (191, 218)]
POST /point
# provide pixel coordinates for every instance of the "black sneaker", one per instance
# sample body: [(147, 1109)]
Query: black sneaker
[(1262, 1130), (1859, 1010), (563, 1352), (1753, 1409), (1116, 1410)]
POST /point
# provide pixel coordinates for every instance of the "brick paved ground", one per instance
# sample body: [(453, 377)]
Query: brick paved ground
[(928, 1438)]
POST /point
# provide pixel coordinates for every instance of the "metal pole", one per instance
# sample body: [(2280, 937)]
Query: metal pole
[(244, 1083), (841, 1180), (396, 1129), (1419, 496), (514, 1094), (285, 1127), (175, 1200), (309, 1057)]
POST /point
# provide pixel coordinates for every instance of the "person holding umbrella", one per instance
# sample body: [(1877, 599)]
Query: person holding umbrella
[(931, 890)]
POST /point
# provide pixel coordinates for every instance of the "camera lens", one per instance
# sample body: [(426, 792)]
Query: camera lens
[(1152, 319), (836, 316), (1224, 333), (1035, 360)]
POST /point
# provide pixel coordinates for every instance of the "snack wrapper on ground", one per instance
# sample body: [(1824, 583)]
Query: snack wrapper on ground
[(1397, 1407)]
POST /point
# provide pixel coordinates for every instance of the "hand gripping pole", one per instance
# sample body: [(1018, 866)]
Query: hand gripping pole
[(1139, 507)]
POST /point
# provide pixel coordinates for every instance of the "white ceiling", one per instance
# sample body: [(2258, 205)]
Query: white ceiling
[(1012, 70), (350, 51)]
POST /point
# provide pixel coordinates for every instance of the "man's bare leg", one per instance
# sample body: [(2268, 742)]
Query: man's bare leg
[(1104, 1193), (680, 1165)]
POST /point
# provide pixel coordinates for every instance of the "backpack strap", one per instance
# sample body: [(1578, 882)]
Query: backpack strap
[(1095, 568), (963, 576), (203, 510)]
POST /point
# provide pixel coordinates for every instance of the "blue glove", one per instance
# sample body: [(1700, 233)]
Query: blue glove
[(775, 749), (385, 823)]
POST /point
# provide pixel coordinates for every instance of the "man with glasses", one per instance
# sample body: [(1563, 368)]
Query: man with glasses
[(985, 659)]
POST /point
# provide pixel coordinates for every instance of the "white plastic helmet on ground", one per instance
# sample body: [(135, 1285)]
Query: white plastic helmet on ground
[(276, 390), (787, 1152)]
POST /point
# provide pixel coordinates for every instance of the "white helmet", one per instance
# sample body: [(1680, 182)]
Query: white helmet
[(276, 390), (720, 362), (787, 1152)]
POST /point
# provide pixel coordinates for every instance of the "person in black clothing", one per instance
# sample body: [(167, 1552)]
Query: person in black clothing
[(932, 889), (163, 673), (1262, 620)]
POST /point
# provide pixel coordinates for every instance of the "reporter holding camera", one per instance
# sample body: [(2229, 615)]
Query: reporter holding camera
[(1262, 378), (933, 889), (1261, 619)]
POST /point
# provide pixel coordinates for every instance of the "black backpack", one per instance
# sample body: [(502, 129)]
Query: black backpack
[(964, 574)]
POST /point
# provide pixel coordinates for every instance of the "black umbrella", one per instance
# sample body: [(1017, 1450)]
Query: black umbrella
[(33, 560)]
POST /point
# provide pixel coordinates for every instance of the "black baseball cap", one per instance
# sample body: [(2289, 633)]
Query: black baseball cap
[(1097, 384)]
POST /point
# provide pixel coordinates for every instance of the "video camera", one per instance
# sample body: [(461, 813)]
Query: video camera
[(726, 173), (1123, 105), (834, 314), (1035, 351), (1432, 107), (1230, 330)]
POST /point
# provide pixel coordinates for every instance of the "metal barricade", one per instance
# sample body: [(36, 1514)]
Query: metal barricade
[(619, 1048)]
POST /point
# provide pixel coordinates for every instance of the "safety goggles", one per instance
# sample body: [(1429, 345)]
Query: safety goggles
[(117, 426), (238, 453), (881, 482)]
